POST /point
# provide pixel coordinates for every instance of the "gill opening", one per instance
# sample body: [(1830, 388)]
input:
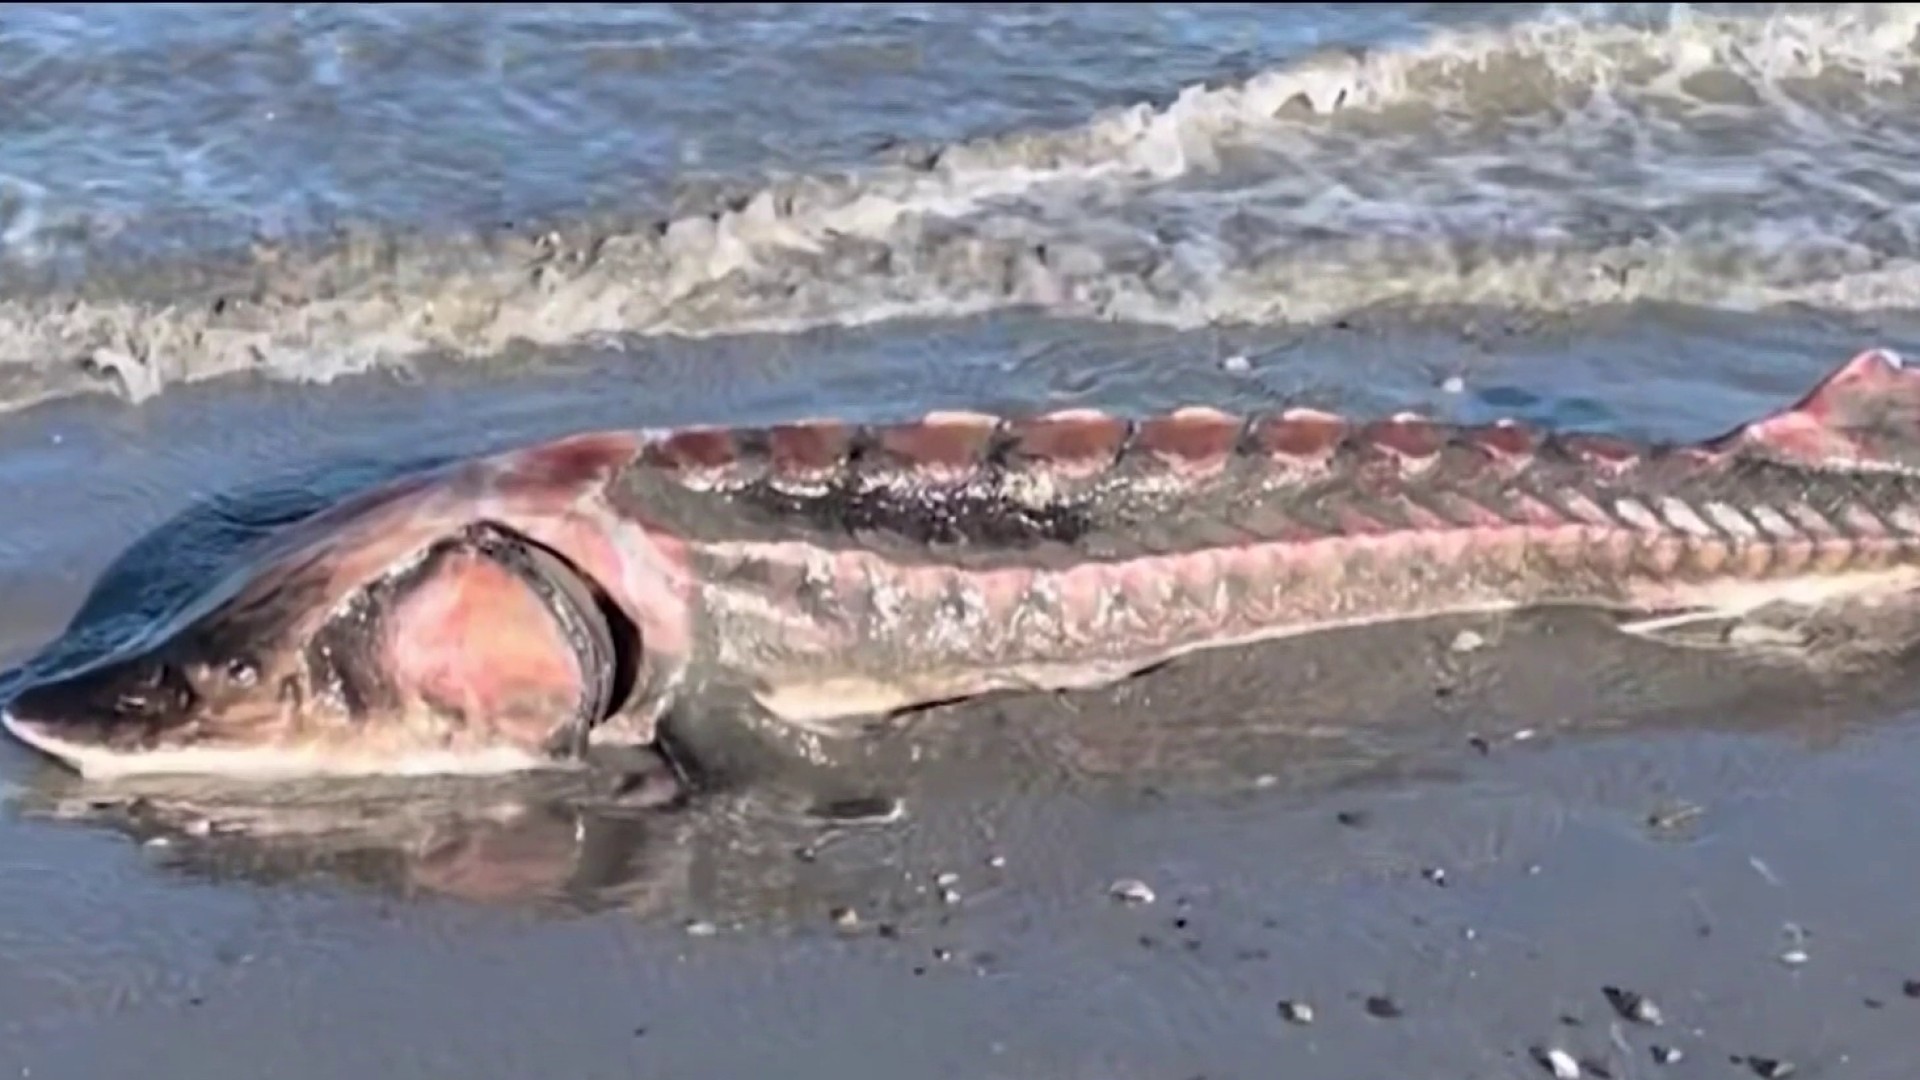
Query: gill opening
[(608, 646)]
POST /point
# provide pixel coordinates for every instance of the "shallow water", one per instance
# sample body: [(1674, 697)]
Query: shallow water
[(1654, 223)]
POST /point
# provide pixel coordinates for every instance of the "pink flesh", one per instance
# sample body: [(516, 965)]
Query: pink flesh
[(473, 642)]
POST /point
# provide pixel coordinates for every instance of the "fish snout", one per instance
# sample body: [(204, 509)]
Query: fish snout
[(118, 708)]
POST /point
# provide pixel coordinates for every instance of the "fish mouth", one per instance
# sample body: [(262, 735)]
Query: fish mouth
[(485, 654), (254, 763), (39, 738)]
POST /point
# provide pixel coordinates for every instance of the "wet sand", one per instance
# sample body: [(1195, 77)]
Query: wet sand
[(1353, 822)]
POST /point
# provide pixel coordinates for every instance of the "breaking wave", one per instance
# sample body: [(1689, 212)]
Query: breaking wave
[(1729, 159)]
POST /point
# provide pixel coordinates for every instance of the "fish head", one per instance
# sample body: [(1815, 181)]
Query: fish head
[(412, 632)]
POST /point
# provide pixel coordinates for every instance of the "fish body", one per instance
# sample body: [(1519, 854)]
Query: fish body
[(507, 611)]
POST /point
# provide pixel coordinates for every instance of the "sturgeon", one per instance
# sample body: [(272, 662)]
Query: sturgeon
[(514, 610)]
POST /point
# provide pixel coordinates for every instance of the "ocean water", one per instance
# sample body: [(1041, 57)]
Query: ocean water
[(247, 246), (306, 191)]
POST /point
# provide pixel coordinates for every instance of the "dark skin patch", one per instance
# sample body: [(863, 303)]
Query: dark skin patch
[(897, 506), (969, 513)]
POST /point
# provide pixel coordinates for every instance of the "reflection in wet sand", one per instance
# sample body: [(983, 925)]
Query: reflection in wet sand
[(525, 844)]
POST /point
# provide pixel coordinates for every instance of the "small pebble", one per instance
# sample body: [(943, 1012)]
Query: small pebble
[(1631, 1006), (1794, 957), (1453, 384), (702, 928), (1669, 818), (1468, 641), (942, 954), (1382, 1007), (1435, 874), (1353, 819), (998, 862), (947, 879), (1558, 1062), (1911, 988), (1131, 891), (1238, 365), (846, 918), (949, 896), (862, 810), (1770, 1068), (1297, 1012), (1665, 1055)]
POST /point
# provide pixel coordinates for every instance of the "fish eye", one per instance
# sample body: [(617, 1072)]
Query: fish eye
[(242, 671)]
